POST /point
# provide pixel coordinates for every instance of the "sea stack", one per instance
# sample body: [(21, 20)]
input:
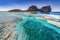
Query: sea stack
[(32, 8), (46, 9)]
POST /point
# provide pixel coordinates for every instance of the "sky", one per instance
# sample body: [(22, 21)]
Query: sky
[(24, 4)]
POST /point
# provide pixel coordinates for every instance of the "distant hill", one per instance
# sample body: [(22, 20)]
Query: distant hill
[(15, 10), (33, 8)]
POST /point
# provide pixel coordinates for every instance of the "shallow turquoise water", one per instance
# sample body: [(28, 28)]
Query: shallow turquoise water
[(31, 28)]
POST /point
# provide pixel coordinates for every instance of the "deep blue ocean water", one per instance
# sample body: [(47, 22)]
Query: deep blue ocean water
[(54, 13)]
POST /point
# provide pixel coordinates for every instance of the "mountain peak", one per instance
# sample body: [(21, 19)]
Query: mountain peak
[(32, 8)]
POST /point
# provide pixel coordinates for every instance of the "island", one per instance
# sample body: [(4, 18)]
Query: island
[(33, 9), (15, 10)]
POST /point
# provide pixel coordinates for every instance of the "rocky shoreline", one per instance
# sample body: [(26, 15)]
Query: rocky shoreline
[(7, 26)]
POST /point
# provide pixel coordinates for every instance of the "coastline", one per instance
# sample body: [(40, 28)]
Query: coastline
[(8, 25)]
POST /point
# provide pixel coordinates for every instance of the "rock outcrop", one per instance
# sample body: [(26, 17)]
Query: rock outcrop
[(32, 8), (7, 26), (43, 9), (46, 9)]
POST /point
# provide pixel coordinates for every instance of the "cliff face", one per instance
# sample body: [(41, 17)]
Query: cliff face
[(46, 9), (43, 9), (32, 8)]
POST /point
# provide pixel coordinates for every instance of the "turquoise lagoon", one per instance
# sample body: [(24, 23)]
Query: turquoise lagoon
[(34, 29), (31, 28)]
